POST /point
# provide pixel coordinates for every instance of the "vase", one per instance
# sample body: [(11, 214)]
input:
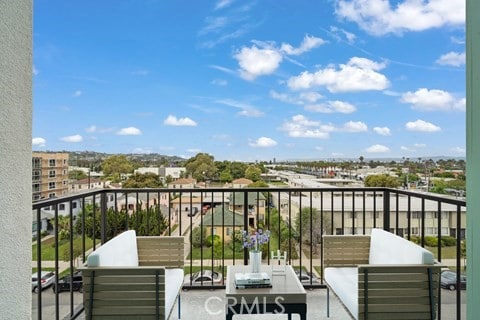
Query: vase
[(255, 261)]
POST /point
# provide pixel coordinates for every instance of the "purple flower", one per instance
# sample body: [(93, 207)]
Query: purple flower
[(256, 239)]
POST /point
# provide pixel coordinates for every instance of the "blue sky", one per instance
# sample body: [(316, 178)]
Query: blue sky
[(251, 80)]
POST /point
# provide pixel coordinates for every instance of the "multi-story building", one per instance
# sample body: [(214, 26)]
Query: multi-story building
[(49, 175)]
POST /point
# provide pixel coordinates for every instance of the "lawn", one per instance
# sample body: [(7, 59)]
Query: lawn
[(48, 248)]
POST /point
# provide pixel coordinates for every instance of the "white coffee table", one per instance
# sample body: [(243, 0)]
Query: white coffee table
[(286, 296)]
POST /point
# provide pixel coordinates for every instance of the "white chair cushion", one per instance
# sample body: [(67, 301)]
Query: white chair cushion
[(387, 248), (173, 284), (120, 251), (344, 282)]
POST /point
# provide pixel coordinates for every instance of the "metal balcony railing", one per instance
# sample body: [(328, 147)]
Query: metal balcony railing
[(211, 219)]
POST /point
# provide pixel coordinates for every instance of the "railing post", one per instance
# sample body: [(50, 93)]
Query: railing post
[(386, 210), (245, 224), (103, 218)]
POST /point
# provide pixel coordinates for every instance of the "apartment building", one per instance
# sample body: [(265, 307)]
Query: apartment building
[(49, 175)]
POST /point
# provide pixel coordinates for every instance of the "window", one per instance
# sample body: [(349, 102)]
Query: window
[(35, 175), (65, 182), (51, 185), (64, 161), (36, 197), (51, 163), (36, 163), (36, 187), (61, 206), (64, 172), (51, 174), (213, 231), (51, 195), (74, 205), (229, 231)]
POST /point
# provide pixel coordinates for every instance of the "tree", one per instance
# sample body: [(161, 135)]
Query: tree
[(199, 236), (113, 167), (253, 173), (309, 225), (76, 175), (201, 167), (145, 180), (226, 176), (258, 184), (381, 180), (361, 158)]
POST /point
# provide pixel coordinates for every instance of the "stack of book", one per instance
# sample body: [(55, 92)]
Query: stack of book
[(252, 280)]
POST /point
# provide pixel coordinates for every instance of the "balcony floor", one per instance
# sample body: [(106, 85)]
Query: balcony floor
[(193, 307)]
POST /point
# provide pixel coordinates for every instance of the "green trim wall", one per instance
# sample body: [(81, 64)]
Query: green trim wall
[(473, 157)]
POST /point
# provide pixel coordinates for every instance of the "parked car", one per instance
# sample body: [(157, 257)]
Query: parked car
[(205, 276), (47, 279), (448, 280), (193, 213), (65, 282), (306, 276)]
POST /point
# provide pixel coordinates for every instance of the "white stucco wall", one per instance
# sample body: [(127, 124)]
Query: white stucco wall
[(15, 158)]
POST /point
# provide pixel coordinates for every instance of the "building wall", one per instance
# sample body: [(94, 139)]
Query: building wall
[(15, 158), (49, 175)]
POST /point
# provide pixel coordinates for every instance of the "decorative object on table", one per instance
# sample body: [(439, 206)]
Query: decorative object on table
[(279, 262), (253, 243), (252, 280)]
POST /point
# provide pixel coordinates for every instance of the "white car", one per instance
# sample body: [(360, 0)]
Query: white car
[(46, 280), (205, 278)]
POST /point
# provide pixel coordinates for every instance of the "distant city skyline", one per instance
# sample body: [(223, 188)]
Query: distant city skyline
[(251, 80)]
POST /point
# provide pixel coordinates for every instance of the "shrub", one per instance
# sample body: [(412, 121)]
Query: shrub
[(448, 241), (431, 241), (213, 240)]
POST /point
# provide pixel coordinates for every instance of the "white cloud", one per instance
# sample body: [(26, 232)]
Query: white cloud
[(39, 142), (331, 107), (422, 126), (377, 148), (301, 127), (264, 58), (433, 100), (319, 148), (246, 109), (455, 59), (263, 142), (383, 131), (129, 131), (255, 62), (75, 138), (355, 126), (378, 17), (140, 150), (213, 24), (174, 121), (194, 150), (223, 69), (219, 82), (302, 98), (419, 145), (459, 150), (308, 43), (222, 4), (91, 129), (359, 74), (77, 93), (35, 71), (340, 33), (407, 149)]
